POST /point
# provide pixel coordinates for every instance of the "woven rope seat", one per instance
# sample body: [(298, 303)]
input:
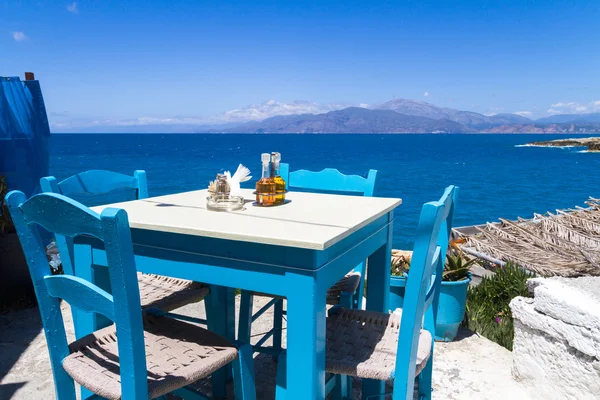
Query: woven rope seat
[(177, 354), (349, 283), (167, 294), (364, 344)]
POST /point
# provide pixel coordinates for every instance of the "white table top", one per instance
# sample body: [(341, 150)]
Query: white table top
[(310, 220)]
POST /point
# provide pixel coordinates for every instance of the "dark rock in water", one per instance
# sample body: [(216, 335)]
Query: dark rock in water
[(558, 143), (592, 144)]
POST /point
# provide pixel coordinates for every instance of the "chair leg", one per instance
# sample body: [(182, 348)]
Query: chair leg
[(346, 300), (243, 374), (341, 391), (281, 379), (278, 326), (425, 387), (245, 320), (357, 297)]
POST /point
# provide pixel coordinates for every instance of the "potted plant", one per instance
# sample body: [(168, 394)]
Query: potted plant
[(453, 294), (453, 290), (400, 265), (16, 281)]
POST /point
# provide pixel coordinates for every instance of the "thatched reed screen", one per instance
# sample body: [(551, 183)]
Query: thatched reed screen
[(563, 244)]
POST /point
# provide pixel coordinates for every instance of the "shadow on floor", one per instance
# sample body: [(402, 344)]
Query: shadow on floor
[(7, 390), (18, 329)]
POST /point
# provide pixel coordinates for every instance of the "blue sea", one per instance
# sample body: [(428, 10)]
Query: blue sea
[(497, 178)]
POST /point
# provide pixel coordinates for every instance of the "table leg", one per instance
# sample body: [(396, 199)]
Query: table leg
[(306, 339), (378, 286), (220, 315)]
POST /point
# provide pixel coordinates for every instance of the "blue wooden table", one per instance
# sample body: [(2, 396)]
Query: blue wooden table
[(297, 250)]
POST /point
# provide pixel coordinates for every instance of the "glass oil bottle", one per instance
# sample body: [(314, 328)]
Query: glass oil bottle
[(265, 187), (279, 182)]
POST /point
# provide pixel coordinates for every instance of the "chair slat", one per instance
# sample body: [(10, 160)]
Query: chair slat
[(67, 218), (81, 293), (332, 180), (96, 181)]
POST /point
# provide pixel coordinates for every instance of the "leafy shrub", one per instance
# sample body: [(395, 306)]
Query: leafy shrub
[(488, 312)]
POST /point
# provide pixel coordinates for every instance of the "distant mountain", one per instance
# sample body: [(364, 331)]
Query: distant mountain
[(394, 116), (467, 118), (351, 120), (570, 118)]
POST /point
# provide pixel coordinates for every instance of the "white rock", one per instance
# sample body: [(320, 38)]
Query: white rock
[(556, 351)]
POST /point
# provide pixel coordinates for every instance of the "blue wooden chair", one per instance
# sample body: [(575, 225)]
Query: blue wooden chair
[(156, 291), (153, 355), (378, 346), (347, 291)]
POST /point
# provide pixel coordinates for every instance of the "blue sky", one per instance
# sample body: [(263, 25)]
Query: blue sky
[(196, 59)]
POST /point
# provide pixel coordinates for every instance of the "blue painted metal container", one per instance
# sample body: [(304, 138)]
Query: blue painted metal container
[(396, 294), (451, 309)]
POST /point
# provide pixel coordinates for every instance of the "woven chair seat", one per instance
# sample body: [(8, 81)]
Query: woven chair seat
[(177, 354), (364, 344), (349, 283), (167, 294)]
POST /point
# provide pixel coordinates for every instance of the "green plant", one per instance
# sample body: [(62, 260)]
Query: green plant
[(6, 224), (488, 312), (457, 268)]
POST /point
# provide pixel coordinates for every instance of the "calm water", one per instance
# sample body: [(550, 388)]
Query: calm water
[(496, 178)]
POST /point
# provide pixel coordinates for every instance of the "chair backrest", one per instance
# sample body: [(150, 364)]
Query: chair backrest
[(93, 182), (423, 283), (329, 180), (66, 218), (97, 182)]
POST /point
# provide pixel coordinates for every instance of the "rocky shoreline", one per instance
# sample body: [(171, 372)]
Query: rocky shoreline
[(592, 144)]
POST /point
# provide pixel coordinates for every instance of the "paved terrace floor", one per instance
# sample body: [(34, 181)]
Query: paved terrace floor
[(471, 367)]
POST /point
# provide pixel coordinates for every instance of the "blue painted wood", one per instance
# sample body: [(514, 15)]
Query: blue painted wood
[(330, 181), (86, 296), (243, 373), (281, 377), (378, 276), (90, 182), (96, 182), (432, 236), (271, 269), (306, 331), (63, 216), (423, 284)]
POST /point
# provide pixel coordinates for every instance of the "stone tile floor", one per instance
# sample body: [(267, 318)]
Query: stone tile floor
[(470, 367)]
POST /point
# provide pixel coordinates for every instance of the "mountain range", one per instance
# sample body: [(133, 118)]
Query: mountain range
[(394, 116), (411, 116)]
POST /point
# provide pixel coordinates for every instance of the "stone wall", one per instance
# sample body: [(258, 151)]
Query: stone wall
[(556, 353)]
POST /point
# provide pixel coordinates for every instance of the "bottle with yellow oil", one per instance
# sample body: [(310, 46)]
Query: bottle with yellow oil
[(280, 184)]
